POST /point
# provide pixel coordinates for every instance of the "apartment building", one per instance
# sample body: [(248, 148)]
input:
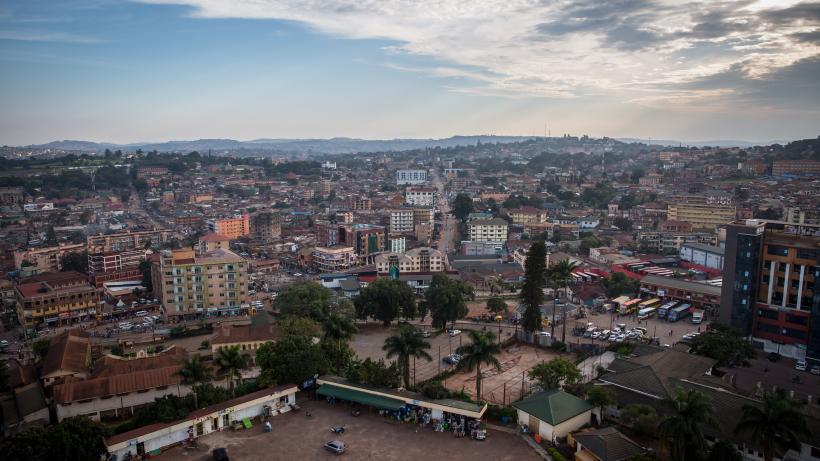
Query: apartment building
[(401, 220), (701, 216), (233, 228), (54, 299), (266, 226), (795, 167), (411, 177), (420, 196), (46, 259), (191, 283), (122, 241), (417, 260), (12, 195), (528, 215), (361, 204), (114, 266), (770, 285), (334, 259), (488, 230)]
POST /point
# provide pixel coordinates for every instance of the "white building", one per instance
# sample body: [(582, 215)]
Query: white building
[(488, 230), (703, 255), (417, 260), (420, 196), (398, 244), (401, 221), (411, 177), (334, 259), (553, 414)]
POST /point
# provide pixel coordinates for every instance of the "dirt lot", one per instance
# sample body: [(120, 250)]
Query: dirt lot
[(504, 386), (368, 436)]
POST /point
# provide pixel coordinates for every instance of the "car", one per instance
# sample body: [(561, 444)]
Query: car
[(607, 332), (454, 332), (220, 454), (141, 313), (335, 446), (4, 343), (452, 359), (773, 356), (545, 334), (596, 334), (146, 324), (815, 370), (621, 338), (588, 333), (425, 333), (126, 327), (801, 365)]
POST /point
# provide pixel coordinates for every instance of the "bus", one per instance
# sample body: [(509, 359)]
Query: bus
[(629, 306), (680, 312), (654, 302), (664, 309), (646, 312)]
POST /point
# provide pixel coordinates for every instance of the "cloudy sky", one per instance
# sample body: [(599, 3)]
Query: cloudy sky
[(154, 70)]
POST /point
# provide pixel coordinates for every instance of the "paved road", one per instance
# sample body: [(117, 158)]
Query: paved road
[(449, 230)]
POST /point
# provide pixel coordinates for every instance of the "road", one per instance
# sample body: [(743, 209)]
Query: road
[(449, 228), (135, 203)]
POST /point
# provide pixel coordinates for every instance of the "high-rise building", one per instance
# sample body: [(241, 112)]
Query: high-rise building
[(110, 266), (411, 177), (770, 293), (266, 226), (56, 298), (232, 228), (488, 230), (127, 240), (401, 220), (420, 196)]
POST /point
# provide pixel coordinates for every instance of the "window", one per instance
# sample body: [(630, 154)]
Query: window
[(778, 250)]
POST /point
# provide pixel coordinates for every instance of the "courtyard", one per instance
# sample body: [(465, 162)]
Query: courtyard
[(368, 436)]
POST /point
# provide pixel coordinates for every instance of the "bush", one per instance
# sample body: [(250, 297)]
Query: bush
[(556, 456), (434, 390), (497, 411), (185, 332), (204, 345)]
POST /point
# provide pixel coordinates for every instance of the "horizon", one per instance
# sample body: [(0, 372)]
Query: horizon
[(213, 69)]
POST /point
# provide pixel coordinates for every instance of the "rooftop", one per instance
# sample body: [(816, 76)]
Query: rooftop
[(553, 406)]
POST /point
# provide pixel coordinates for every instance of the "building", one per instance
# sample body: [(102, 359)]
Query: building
[(698, 294), (361, 204), (190, 283), (232, 228), (424, 233), (488, 230), (708, 256), (59, 298), (127, 240), (652, 179), (411, 177), (26, 407), (115, 266), (46, 259), (701, 216), (528, 215), (213, 241), (68, 357), (795, 167), (398, 244), (366, 239), (605, 444), (401, 220), (266, 226), (675, 226), (417, 260), (422, 215), (420, 196), (553, 414), (151, 172), (770, 286), (12, 195), (334, 259), (248, 338), (671, 242)]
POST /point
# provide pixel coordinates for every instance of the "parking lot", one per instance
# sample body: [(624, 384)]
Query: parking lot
[(367, 437), (666, 332)]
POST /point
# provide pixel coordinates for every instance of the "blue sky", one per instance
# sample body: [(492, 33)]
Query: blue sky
[(122, 71)]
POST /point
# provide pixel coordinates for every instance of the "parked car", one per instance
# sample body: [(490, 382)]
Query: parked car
[(425, 333), (335, 446), (801, 365), (141, 313), (815, 370), (596, 335), (454, 332), (220, 454), (452, 359)]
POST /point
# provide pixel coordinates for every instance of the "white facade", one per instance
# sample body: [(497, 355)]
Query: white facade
[(550, 432), (401, 221), (398, 244), (420, 196), (411, 177), (423, 259), (488, 230), (702, 255)]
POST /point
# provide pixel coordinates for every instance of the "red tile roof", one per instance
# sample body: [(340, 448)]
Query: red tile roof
[(68, 351)]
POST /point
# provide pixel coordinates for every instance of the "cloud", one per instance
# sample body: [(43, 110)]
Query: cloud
[(628, 49), (41, 36)]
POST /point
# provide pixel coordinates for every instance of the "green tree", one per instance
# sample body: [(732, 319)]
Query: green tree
[(40, 348), (147, 281), (446, 300), (375, 373), (643, 419), (407, 343), (385, 300), (74, 262), (73, 439), (723, 450), (561, 276), (776, 425), (532, 291), (554, 373), (462, 206), (691, 410), (231, 362), (618, 284), (290, 360), (622, 223), (338, 330), (193, 372), (481, 350), (601, 397), (724, 344), (496, 305), (305, 299), (291, 325), (588, 242)]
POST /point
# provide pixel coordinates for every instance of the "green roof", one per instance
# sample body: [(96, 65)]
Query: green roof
[(553, 406), (364, 398)]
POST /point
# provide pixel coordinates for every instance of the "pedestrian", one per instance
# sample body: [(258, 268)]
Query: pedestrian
[(670, 332)]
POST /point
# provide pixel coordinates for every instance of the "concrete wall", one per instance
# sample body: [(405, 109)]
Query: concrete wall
[(119, 404), (549, 432)]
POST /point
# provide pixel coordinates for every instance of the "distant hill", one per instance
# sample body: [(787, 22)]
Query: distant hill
[(713, 143)]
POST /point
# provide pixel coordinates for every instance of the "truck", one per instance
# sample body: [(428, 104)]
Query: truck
[(680, 312), (697, 316)]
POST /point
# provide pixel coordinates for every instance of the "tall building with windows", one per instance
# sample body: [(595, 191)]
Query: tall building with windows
[(233, 228), (190, 283), (488, 230), (411, 177), (771, 271), (266, 226)]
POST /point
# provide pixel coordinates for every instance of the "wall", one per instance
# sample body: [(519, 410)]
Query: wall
[(93, 408)]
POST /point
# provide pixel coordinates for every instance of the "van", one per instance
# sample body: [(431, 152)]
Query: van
[(141, 313)]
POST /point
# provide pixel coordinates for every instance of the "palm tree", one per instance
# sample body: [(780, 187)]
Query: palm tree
[(482, 350), (778, 424), (407, 343), (338, 329), (561, 276), (193, 372), (232, 361), (691, 410)]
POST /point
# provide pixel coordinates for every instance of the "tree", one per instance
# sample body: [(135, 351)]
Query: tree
[(618, 284), (384, 300), (601, 397), (723, 450), (231, 362), (292, 359), (40, 348), (305, 299), (496, 305), (194, 372), (147, 280), (561, 276), (74, 262), (622, 223), (447, 299), (724, 344), (462, 206), (588, 242), (555, 372), (291, 325), (642, 418), (768, 213), (637, 174), (532, 291), (338, 330), (406, 343), (73, 439), (375, 373), (690, 411), (482, 350), (777, 425)]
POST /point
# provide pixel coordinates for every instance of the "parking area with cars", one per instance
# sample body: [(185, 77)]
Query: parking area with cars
[(628, 327)]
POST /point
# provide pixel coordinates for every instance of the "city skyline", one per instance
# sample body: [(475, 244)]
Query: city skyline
[(157, 70)]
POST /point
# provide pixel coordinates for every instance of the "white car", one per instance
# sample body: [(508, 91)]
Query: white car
[(801, 365), (454, 332), (126, 327), (596, 335), (141, 313)]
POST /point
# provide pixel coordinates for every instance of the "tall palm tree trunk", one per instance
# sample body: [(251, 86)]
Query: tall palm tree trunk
[(478, 382)]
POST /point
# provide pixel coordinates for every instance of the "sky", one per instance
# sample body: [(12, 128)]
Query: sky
[(155, 70)]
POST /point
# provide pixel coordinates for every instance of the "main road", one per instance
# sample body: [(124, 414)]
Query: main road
[(449, 228)]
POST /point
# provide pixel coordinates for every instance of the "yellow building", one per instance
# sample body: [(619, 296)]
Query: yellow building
[(701, 216), (528, 215), (57, 298)]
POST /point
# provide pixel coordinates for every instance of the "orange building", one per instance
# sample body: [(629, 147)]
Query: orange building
[(232, 228)]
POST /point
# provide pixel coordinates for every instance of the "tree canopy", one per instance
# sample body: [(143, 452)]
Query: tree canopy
[(618, 284), (532, 291), (386, 300), (305, 299), (462, 206), (446, 300), (291, 360), (724, 344), (552, 374), (73, 439)]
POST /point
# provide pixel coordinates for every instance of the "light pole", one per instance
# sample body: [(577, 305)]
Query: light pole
[(498, 318)]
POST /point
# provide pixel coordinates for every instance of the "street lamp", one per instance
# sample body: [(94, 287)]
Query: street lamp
[(498, 319)]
